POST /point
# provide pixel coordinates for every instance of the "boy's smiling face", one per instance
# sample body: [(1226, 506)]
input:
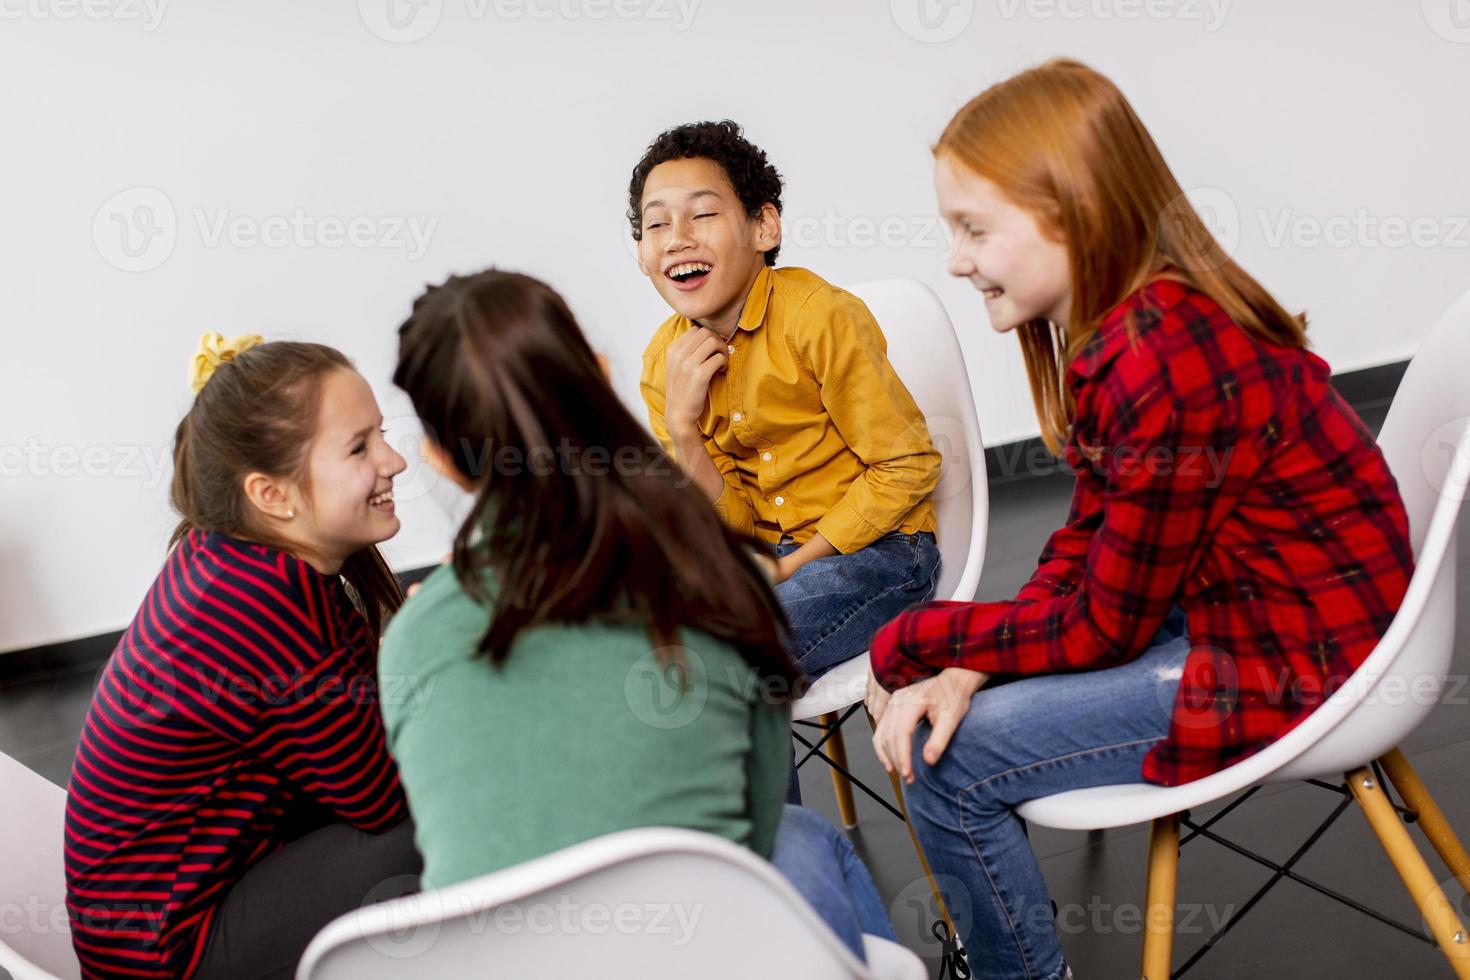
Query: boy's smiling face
[(699, 246)]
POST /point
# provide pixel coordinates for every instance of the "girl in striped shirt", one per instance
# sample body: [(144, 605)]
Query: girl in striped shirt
[(233, 792)]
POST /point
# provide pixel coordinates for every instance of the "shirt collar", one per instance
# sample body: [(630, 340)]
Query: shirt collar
[(757, 300)]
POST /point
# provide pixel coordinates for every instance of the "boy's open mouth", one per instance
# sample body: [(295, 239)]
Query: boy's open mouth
[(689, 275), (994, 292)]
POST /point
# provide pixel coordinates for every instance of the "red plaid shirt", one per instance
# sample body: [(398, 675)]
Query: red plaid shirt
[(1216, 472)]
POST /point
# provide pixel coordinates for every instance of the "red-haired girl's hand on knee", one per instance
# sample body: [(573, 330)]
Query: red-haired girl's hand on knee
[(943, 700)]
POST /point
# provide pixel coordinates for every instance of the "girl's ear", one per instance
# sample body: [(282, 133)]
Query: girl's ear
[(269, 497), (438, 459)]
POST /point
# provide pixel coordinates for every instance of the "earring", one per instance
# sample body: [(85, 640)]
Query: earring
[(290, 514)]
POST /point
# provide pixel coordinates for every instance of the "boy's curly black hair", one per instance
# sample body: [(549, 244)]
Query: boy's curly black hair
[(756, 182)]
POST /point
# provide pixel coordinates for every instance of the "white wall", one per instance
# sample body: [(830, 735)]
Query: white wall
[(513, 132)]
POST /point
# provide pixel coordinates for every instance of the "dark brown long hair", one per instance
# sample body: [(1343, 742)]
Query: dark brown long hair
[(257, 414), (1061, 141), (583, 514)]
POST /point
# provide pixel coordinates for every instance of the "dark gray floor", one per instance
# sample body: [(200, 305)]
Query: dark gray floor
[(1293, 932)]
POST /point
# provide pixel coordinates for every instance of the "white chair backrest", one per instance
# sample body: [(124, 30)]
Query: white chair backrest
[(35, 935), (924, 350), (1428, 417), (652, 902)]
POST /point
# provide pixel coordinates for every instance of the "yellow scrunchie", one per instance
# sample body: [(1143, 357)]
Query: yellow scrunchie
[(215, 350)]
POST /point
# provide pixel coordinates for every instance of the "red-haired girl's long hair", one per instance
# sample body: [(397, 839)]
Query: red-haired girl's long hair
[(1063, 143)]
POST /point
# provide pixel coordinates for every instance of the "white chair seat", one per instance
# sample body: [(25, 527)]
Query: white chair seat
[(1105, 807), (842, 686)]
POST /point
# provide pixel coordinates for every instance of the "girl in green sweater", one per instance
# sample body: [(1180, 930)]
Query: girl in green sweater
[(601, 652)]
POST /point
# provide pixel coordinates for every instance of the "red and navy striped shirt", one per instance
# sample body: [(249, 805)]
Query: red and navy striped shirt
[(238, 711), (1217, 472)]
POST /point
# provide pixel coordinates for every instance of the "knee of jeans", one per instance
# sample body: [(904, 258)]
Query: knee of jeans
[(931, 782), (950, 776), (808, 824), (805, 838)]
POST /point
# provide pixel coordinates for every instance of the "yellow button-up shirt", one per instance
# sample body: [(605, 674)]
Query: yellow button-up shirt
[(809, 424)]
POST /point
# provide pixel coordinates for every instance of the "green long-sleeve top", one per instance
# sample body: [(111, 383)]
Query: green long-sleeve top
[(581, 732)]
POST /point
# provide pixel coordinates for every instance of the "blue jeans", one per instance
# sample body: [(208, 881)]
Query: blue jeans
[(1021, 740), (836, 604), (822, 866)]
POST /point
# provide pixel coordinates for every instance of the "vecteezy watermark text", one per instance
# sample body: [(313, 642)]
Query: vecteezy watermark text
[(136, 230)]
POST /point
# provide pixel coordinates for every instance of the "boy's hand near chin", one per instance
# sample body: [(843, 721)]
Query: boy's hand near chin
[(691, 362)]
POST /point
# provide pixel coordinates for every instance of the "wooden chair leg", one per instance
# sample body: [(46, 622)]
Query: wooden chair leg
[(918, 848), (841, 786), (1443, 922), (1163, 878), (1441, 835)]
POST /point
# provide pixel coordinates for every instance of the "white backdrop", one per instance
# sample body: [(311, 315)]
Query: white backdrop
[(301, 168)]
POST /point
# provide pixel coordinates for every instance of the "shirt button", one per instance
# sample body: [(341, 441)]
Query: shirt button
[(737, 416), (780, 501), (766, 457)]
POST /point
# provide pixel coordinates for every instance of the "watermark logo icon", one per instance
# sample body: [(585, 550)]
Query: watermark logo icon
[(1450, 19), (1445, 458), (667, 688), (914, 912), (932, 21), (1207, 247), (135, 230), (401, 21)]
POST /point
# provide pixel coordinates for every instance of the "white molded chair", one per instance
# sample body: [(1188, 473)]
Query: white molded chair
[(35, 935), (924, 350), (637, 904), (1427, 444)]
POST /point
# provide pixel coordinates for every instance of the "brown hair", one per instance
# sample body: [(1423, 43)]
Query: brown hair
[(1063, 143), (499, 371), (257, 414)]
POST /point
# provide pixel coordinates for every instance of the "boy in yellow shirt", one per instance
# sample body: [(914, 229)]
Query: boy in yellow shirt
[(772, 389)]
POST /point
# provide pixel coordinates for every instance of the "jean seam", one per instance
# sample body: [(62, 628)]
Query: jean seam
[(962, 792), (994, 888), (1099, 749), (915, 561), (913, 570), (933, 584)]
